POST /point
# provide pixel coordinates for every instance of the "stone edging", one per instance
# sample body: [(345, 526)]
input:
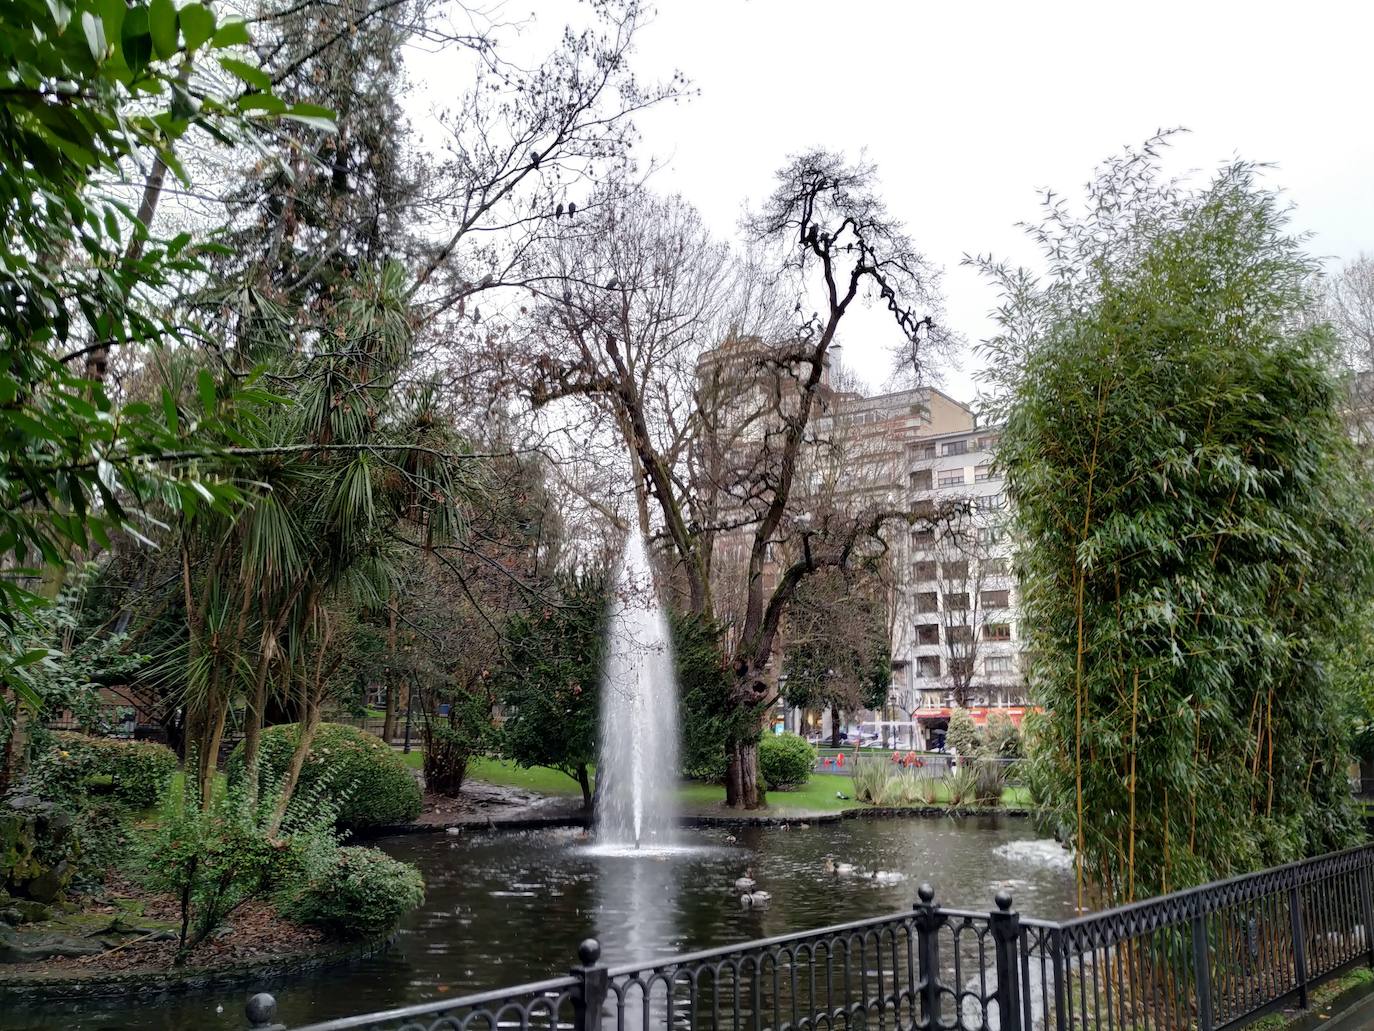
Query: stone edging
[(699, 819), (30, 988)]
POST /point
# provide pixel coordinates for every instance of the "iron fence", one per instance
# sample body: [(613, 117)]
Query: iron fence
[(1210, 958)]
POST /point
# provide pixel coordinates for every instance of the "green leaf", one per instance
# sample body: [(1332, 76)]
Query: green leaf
[(169, 410), (312, 115), (197, 25), (267, 102), (205, 383), (162, 24), (254, 77), (95, 35), (30, 657), (134, 40), (232, 32)]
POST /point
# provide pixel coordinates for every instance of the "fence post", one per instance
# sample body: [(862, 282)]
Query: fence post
[(929, 920), (1298, 925), (1366, 907), (261, 1011), (1202, 974), (1006, 938), (590, 994)]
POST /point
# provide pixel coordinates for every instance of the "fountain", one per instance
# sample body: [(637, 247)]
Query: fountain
[(637, 769)]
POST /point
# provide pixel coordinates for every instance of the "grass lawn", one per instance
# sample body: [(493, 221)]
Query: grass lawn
[(819, 794)]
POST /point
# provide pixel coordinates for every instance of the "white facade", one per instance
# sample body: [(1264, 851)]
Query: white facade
[(957, 625)]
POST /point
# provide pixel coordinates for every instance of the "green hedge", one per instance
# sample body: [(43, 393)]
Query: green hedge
[(140, 771), (363, 892), (371, 781), (785, 760)]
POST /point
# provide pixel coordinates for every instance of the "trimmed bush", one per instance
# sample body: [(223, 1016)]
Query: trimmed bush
[(963, 734), (140, 772), (370, 781), (363, 892), (785, 761)]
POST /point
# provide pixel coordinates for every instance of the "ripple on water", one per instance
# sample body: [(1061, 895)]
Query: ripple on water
[(1042, 852)]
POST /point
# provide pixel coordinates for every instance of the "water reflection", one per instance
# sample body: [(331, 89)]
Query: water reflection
[(506, 908)]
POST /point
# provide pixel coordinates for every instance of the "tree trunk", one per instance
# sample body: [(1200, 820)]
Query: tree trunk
[(834, 726), (584, 781), (209, 755), (750, 783), (733, 788), (293, 769), (392, 695)]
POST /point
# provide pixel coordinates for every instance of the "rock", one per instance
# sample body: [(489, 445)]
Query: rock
[(49, 884), (31, 912), (26, 948), (10, 915)]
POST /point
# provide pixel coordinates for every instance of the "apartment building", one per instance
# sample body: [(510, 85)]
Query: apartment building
[(957, 636)]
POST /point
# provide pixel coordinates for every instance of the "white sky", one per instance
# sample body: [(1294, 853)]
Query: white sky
[(968, 107)]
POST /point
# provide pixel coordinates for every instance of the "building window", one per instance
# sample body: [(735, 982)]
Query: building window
[(998, 664), (983, 473), (927, 633), (955, 569), (952, 478), (926, 602), (990, 535), (996, 599), (987, 443), (997, 632), (954, 447), (920, 537), (927, 666), (990, 502), (925, 569), (957, 602), (928, 451), (960, 633), (961, 667), (920, 479), (994, 567)]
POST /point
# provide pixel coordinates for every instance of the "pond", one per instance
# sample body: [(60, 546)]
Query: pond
[(503, 908)]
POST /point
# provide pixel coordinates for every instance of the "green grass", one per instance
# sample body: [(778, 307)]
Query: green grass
[(817, 796)]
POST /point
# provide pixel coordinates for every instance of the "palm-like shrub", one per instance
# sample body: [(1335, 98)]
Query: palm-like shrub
[(369, 781)]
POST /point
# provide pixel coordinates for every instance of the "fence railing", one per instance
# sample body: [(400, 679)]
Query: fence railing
[(1209, 958)]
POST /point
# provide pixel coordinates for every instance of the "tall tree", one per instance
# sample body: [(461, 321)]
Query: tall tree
[(832, 235), (90, 92), (836, 646), (1193, 529)]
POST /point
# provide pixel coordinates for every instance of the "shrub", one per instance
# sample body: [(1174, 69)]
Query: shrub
[(785, 760), (216, 859), (870, 779), (963, 734), (139, 771), (961, 786), (989, 778), (368, 780), (1002, 739), (362, 892)]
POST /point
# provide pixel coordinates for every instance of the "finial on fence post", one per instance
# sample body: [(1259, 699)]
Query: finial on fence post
[(261, 1011), (1005, 923), (590, 995)]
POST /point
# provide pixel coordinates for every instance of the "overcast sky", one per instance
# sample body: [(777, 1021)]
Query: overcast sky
[(967, 108)]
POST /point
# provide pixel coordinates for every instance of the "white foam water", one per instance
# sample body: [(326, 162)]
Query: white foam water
[(1043, 852), (637, 767)]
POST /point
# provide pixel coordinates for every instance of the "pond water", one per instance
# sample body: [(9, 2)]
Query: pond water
[(502, 908)]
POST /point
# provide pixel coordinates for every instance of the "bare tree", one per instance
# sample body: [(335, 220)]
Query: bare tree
[(961, 563), (1350, 306), (754, 401)]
